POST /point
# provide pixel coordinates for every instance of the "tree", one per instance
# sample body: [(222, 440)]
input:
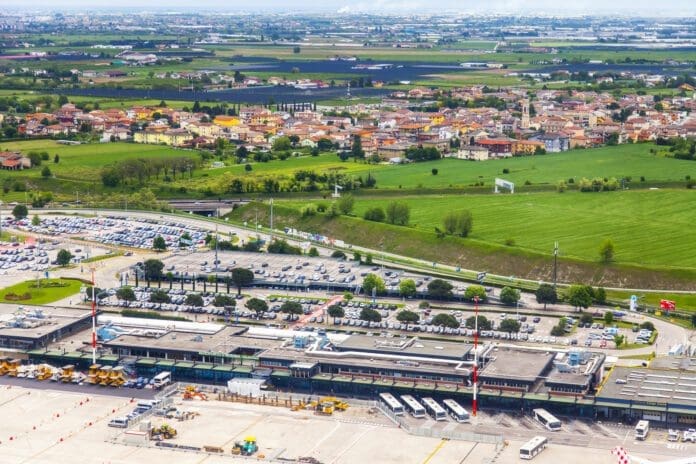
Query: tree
[(509, 326), (241, 278), (647, 325), (579, 297), (224, 300), (152, 268), (20, 212), (296, 49), (509, 296), (346, 204), (600, 295), (357, 256), (586, 318), (558, 330), (619, 340), (313, 252), (159, 296), (36, 221), (398, 213), (440, 289), (434, 171), (367, 314), (158, 244), (336, 311), (282, 144), (64, 257), (291, 307), (126, 294), (356, 149), (338, 254), (374, 214), (606, 251), (459, 223), (56, 159), (483, 323), (46, 172), (546, 294), (407, 317), (608, 317), (407, 288), (446, 320), (257, 305), (475, 291), (373, 281), (693, 320), (194, 299)]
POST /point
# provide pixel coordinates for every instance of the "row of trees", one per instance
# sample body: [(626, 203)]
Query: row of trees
[(396, 212), (141, 169)]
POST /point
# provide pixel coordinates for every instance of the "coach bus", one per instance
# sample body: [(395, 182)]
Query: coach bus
[(434, 409), (547, 420), (392, 403), (533, 447), (413, 406), (457, 412)]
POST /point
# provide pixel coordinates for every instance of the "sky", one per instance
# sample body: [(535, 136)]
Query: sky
[(400, 6)]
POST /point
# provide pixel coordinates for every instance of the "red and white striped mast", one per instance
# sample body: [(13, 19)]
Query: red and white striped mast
[(94, 322), (473, 405)]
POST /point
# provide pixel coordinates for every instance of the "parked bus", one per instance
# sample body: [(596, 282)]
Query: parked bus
[(533, 447), (434, 409), (457, 412), (162, 379), (392, 403), (642, 429), (413, 406), (547, 420)]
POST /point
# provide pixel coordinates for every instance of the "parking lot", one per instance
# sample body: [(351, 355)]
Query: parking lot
[(112, 230)]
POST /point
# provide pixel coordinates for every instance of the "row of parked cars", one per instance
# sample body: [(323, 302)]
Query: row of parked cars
[(23, 258)]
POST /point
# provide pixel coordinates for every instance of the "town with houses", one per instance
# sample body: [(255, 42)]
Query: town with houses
[(554, 121)]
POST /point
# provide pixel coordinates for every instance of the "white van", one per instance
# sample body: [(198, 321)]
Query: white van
[(120, 422)]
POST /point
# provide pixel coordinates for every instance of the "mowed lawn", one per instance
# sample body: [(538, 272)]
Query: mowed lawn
[(43, 295), (648, 227)]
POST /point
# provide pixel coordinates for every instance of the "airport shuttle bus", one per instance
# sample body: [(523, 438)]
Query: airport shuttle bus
[(642, 429), (457, 412), (413, 406), (533, 447), (392, 403), (162, 379), (434, 409), (547, 420)]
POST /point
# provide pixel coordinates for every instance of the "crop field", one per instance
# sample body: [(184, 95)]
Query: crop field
[(634, 220)]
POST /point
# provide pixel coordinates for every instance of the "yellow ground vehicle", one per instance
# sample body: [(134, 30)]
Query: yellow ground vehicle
[(247, 447), (93, 374), (4, 365), (44, 371), (164, 432), (339, 405), (67, 373), (116, 377), (191, 393)]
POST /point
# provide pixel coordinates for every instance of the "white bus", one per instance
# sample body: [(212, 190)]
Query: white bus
[(547, 420), (434, 409), (457, 412), (162, 379), (413, 406), (392, 403), (642, 429), (533, 447)]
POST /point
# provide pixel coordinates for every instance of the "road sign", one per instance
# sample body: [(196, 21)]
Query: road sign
[(634, 302), (480, 276)]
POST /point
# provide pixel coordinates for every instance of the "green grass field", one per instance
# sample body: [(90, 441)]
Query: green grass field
[(648, 227), (621, 161), (42, 295), (79, 166)]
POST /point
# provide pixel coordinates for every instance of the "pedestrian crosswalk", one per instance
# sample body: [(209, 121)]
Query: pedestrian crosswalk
[(676, 446)]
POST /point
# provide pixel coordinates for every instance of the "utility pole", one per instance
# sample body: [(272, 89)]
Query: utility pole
[(474, 405), (271, 215), (94, 321), (555, 264)]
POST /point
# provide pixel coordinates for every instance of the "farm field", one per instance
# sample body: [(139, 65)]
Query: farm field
[(634, 220)]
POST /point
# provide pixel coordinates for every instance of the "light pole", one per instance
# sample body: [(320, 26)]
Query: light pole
[(555, 264), (475, 379)]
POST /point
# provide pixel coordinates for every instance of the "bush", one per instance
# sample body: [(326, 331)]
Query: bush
[(338, 254), (374, 214), (284, 248)]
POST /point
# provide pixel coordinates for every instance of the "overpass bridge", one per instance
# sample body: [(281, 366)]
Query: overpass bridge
[(207, 207)]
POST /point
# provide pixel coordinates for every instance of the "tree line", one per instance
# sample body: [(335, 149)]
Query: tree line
[(140, 170)]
